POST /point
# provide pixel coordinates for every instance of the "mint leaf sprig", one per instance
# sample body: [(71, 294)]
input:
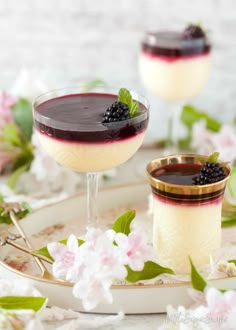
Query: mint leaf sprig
[(125, 97)]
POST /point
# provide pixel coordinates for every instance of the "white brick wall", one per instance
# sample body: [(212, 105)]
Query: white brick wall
[(69, 40)]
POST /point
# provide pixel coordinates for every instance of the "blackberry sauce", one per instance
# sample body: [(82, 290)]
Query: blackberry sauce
[(173, 44), (85, 111), (181, 174)]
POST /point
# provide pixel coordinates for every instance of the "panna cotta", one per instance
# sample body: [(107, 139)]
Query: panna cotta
[(172, 66), (187, 217), (71, 130)]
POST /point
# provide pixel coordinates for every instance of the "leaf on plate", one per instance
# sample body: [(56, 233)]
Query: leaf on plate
[(20, 215), (22, 302), (44, 250), (232, 261), (149, 271), (22, 112), (122, 224), (198, 282)]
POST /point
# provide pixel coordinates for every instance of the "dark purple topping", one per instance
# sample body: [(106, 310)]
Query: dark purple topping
[(118, 111), (210, 173), (78, 118), (174, 44), (193, 32), (181, 174)]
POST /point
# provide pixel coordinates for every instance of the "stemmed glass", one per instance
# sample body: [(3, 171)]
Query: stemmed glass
[(174, 68), (70, 128)]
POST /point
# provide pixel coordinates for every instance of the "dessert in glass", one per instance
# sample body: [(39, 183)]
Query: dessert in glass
[(186, 209), (90, 132), (174, 66)]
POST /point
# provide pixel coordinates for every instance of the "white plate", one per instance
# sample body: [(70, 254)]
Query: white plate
[(132, 299)]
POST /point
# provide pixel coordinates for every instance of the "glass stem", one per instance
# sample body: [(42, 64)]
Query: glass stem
[(92, 192), (174, 125)]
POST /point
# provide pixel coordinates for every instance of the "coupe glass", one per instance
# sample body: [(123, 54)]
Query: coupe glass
[(69, 126), (174, 69)]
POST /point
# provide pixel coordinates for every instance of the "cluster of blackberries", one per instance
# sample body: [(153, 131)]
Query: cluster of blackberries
[(118, 111), (210, 173), (193, 32)]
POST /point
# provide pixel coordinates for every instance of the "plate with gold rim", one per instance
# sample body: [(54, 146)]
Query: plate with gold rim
[(58, 220)]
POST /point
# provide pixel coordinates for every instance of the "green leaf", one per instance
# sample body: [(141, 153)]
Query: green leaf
[(149, 271), (184, 143), (125, 97), (122, 224), (198, 282), (190, 115), (11, 135), (232, 183), (90, 85), (23, 302), (228, 221), (20, 215), (213, 158), (22, 112), (232, 261), (44, 250), (16, 174)]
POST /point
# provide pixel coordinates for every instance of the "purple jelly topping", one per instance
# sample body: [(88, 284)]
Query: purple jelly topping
[(78, 118)]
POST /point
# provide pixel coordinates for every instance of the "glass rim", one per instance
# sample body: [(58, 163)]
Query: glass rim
[(76, 90), (163, 161)]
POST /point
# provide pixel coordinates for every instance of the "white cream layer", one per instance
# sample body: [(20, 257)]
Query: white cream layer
[(91, 157), (181, 231), (177, 80)]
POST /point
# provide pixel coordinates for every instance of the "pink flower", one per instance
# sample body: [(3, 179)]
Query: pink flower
[(205, 142), (67, 262), (101, 255), (102, 263), (92, 290), (225, 143), (136, 248), (202, 139), (219, 304), (6, 102)]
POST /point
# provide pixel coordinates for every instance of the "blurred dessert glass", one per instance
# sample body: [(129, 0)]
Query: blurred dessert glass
[(174, 66)]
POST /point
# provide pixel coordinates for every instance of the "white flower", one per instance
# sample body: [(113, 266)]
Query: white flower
[(205, 141), (136, 247), (93, 289), (202, 138), (67, 262), (225, 142), (18, 287), (229, 268), (19, 320), (220, 305)]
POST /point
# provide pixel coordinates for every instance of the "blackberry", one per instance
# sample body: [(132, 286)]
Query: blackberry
[(209, 173), (118, 111), (193, 32)]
